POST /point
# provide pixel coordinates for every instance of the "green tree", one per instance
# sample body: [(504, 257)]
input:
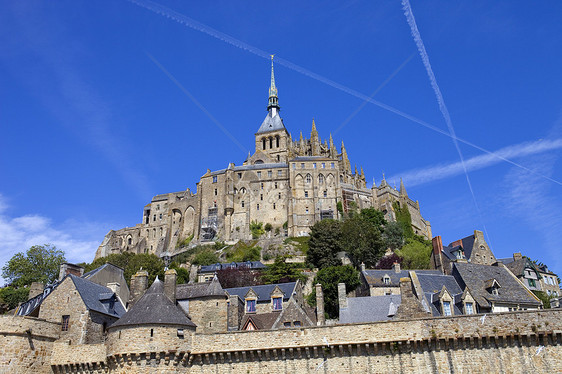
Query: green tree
[(205, 258), (41, 263), (404, 218), (393, 235), (329, 278), (374, 216), (11, 297), (544, 297), (131, 263), (361, 239), (324, 244), (182, 273), (256, 228), (416, 253), (281, 271)]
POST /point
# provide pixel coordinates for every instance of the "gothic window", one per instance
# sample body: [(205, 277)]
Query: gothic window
[(263, 143), (270, 143), (321, 179), (277, 143), (129, 241), (239, 175), (308, 178)]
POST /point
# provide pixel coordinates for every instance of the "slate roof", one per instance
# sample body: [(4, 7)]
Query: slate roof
[(475, 276), (271, 124), (448, 252), (195, 290), (370, 309), (29, 306), (432, 284), (232, 265), (263, 321), (98, 298), (264, 291), (95, 271), (154, 308), (374, 278), (518, 267)]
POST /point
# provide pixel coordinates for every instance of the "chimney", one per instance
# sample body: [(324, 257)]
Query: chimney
[(456, 243), (35, 289), (396, 267), (170, 284), (342, 296), (320, 318), (139, 284), (115, 287), (517, 256), (437, 245), (362, 266), (66, 268)]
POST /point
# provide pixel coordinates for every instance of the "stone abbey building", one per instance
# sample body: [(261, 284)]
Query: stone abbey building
[(290, 184)]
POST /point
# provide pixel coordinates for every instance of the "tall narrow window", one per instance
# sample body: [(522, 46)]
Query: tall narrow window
[(305, 193), (215, 179), (469, 308), (250, 306), (269, 173), (259, 174), (332, 165), (325, 193), (314, 165), (308, 178), (273, 205), (270, 143), (446, 308), (65, 320), (261, 196), (275, 185), (263, 143), (216, 192), (258, 207), (277, 303), (242, 203), (277, 141)]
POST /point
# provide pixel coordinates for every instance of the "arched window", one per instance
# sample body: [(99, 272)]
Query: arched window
[(263, 143), (321, 179), (270, 142), (308, 178), (277, 141)]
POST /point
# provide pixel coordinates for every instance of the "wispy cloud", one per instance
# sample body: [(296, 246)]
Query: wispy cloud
[(79, 240), (442, 171)]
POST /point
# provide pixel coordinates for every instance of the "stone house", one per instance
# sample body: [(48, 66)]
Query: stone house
[(534, 277), (287, 183), (549, 281), (473, 249), (444, 296), (292, 315), (206, 273), (380, 282), (112, 276)]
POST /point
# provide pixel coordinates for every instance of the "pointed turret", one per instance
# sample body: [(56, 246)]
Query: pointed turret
[(333, 150), (355, 169), (345, 159), (383, 182), (362, 173), (314, 140), (403, 189), (273, 104), (302, 146)]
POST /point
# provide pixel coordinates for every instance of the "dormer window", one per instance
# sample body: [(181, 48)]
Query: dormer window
[(492, 286), (386, 279), (447, 308), (277, 303), (250, 306), (469, 308)]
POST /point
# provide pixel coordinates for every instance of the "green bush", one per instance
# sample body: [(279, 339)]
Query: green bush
[(205, 258), (185, 242), (244, 252), (257, 229)]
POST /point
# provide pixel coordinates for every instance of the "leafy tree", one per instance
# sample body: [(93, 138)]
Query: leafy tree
[(131, 263), (281, 272), (386, 262), (416, 253), (256, 228), (361, 239), (393, 235), (244, 252), (329, 278), (374, 216), (404, 218), (232, 277), (41, 263), (268, 227), (11, 297), (182, 273), (544, 297), (205, 258), (324, 244)]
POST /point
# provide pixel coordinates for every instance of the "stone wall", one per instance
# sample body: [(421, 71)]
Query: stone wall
[(209, 314), (142, 339), (26, 344)]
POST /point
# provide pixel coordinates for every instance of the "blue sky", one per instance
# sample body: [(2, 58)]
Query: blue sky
[(93, 127)]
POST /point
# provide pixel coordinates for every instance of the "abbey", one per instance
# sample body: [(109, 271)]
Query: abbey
[(290, 184)]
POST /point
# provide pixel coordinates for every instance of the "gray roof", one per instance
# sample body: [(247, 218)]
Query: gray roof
[(96, 270), (370, 309), (232, 265), (467, 244), (374, 278), (475, 277), (264, 292), (98, 298), (518, 267), (448, 252), (271, 124), (195, 290), (432, 284), (154, 308)]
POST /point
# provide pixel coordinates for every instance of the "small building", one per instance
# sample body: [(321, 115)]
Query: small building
[(473, 249), (385, 282), (524, 269), (207, 272), (444, 295), (292, 316)]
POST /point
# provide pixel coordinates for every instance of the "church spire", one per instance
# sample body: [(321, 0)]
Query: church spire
[(273, 105), (403, 189)]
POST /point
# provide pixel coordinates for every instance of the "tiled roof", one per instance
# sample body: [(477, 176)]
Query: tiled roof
[(264, 291), (475, 276), (195, 290), (271, 124), (154, 308), (432, 284), (370, 309)]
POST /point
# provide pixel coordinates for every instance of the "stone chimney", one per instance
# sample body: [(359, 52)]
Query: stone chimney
[(170, 277), (362, 266), (35, 289), (396, 267), (139, 284), (342, 296), (115, 287), (67, 268), (436, 254), (410, 306), (437, 244), (320, 317), (517, 256)]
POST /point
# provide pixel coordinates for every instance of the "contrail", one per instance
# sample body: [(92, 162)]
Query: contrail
[(442, 171), (442, 107), (199, 105), (191, 23)]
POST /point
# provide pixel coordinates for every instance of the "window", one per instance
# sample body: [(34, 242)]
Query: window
[(314, 165), (160, 231), (157, 206), (258, 207), (306, 209), (65, 320), (532, 282), (151, 333), (250, 306), (446, 308), (278, 158), (270, 143), (469, 308), (297, 323), (302, 165), (280, 173), (216, 192), (261, 186), (323, 165), (495, 291), (160, 217), (269, 173), (273, 205), (321, 179), (259, 174), (239, 175), (277, 142), (294, 166), (325, 193), (242, 203), (275, 185), (386, 280), (332, 165), (341, 178), (263, 143), (154, 217), (279, 196), (261, 196), (129, 241), (215, 179), (308, 178), (305, 193), (277, 303), (180, 333), (287, 324)]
